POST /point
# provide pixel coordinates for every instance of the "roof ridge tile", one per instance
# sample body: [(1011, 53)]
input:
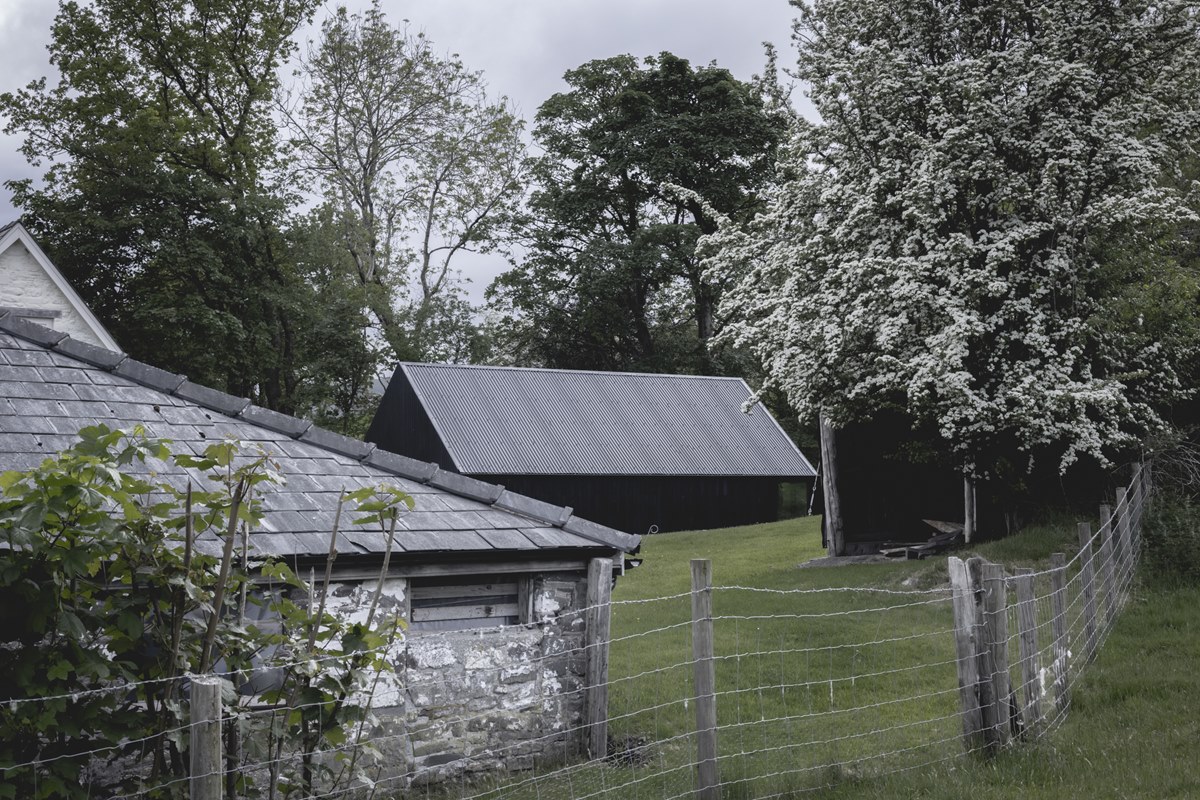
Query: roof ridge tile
[(467, 487), (212, 399), (337, 442), (148, 375), (532, 507), (601, 533), (275, 421), (101, 357), (38, 334), (397, 464)]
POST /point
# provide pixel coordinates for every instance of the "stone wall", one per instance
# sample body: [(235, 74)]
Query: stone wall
[(481, 700)]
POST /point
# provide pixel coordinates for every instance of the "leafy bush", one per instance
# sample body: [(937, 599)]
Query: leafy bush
[(1172, 537), (106, 605)]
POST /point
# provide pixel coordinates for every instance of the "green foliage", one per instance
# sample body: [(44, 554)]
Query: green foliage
[(611, 279), (163, 200), (417, 166), (1172, 538), (105, 603)]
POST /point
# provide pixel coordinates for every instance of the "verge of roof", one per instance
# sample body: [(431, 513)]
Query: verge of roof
[(303, 430)]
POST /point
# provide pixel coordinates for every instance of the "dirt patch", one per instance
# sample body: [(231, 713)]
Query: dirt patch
[(838, 561)]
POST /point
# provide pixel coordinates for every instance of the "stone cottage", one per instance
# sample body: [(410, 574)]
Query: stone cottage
[(490, 674)]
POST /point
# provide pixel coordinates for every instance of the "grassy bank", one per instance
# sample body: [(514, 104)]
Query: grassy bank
[(829, 687)]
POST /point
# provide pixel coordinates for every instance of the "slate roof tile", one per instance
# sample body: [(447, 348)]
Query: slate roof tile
[(41, 391), (72, 387)]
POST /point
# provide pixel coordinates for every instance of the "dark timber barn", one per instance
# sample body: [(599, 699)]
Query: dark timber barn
[(630, 450)]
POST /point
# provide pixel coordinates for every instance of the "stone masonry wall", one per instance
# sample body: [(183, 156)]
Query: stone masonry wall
[(480, 700)]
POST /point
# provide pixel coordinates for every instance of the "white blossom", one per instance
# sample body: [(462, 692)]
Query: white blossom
[(938, 241)]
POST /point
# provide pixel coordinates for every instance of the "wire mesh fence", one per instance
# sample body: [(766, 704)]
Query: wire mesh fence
[(810, 687)]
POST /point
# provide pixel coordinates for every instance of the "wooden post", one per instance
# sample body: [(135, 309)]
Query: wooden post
[(1031, 689), (708, 782), (1118, 547), (1088, 577), (205, 745), (1107, 556), (995, 625), (968, 509), (1124, 534), (966, 647), (832, 521), (1058, 626), (598, 621)]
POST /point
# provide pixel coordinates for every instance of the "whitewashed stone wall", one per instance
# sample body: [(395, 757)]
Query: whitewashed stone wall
[(24, 284), (477, 701)]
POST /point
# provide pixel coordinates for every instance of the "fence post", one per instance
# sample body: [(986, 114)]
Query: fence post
[(1031, 711), (1058, 626), (1088, 577), (205, 745), (995, 625), (966, 648), (598, 625), (708, 783), (1107, 555), (1108, 518), (1121, 512)]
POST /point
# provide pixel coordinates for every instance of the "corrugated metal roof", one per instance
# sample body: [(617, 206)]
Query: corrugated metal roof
[(512, 421), (50, 389)]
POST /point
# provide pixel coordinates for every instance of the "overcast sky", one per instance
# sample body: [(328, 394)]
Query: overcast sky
[(523, 47)]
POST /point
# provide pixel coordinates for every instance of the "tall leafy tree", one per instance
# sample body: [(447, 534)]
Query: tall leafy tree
[(966, 234), (419, 165), (637, 155), (160, 200)]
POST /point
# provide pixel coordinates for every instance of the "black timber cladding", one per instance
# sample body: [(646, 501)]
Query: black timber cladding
[(511, 421), (49, 390), (607, 442)]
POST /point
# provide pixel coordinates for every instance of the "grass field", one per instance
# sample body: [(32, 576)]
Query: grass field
[(851, 694)]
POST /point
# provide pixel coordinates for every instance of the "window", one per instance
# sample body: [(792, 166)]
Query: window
[(452, 604)]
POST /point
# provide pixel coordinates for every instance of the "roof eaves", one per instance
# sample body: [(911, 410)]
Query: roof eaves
[(303, 430)]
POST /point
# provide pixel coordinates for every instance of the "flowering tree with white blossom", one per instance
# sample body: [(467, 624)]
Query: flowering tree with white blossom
[(965, 233)]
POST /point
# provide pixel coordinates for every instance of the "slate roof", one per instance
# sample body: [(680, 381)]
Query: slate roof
[(515, 421), (51, 386)]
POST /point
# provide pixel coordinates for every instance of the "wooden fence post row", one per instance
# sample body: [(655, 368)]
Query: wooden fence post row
[(708, 782), (992, 709)]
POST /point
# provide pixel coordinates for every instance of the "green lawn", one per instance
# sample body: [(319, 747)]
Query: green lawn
[(851, 694)]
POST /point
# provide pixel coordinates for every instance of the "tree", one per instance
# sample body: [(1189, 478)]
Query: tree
[(633, 152), (947, 240), (418, 165), (162, 200)]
